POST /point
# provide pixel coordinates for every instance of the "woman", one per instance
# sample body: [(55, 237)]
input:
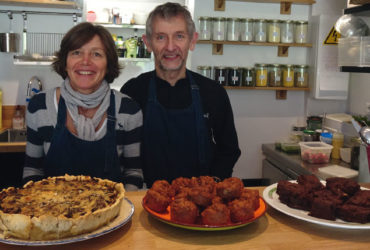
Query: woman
[(84, 127)]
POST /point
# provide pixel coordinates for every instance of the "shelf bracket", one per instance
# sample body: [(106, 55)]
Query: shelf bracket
[(285, 8), (219, 5), (217, 49), (281, 94), (283, 51)]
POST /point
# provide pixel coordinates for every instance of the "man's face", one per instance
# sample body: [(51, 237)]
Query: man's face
[(170, 43)]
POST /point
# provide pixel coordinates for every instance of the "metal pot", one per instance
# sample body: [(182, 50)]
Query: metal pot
[(9, 42)]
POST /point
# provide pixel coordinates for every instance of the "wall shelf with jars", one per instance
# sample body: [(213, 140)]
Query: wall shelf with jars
[(281, 92)]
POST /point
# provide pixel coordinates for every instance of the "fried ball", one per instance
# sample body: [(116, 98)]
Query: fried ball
[(163, 187), (183, 193), (203, 181), (183, 210), (230, 188), (217, 199), (201, 195), (156, 201), (241, 210), (215, 215), (179, 183), (252, 195)]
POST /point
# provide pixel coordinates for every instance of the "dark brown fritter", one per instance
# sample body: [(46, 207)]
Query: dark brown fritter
[(216, 214), (230, 188), (156, 201), (241, 210), (353, 213), (325, 204), (293, 195), (343, 186), (201, 195), (163, 187), (184, 211), (179, 183), (310, 182), (252, 195)]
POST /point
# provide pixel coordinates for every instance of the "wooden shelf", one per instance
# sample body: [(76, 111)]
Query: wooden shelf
[(281, 92), (41, 3), (122, 26)]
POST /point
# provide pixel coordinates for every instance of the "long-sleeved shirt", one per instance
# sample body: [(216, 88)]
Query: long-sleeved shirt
[(41, 119), (216, 106)]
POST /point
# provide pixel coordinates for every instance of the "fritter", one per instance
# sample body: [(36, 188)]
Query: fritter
[(156, 201), (252, 195), (230, 188), (241, 210), (201, 195), (163, 187), (215, 215), (179, 183), (184, 211)]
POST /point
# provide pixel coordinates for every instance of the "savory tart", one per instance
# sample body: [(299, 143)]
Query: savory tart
[(59, 207)]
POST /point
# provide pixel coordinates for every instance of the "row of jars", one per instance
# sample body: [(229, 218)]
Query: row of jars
[(252, 30), (261, 75)]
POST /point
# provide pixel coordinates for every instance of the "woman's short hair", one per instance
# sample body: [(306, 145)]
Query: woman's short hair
[(78, 36)]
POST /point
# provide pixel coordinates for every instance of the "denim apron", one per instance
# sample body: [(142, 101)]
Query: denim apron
[(176, 141), (70, 155)]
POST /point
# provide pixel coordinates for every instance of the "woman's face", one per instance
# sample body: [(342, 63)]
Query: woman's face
[(87, 66)]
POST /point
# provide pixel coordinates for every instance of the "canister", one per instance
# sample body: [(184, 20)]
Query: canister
[(273, 27), (205, 71), (233, 29), (220, 74), (246, 29), (233, 76), (259, 27), (261, 74), (300, 31), (301, 76), (274, 75), (287, 31), (248, 77), (288, 75), (219, 33), (205, 28)]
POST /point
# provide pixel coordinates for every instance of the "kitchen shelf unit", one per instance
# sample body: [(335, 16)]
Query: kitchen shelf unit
[(281, 92), (41, 3), (122, 26)]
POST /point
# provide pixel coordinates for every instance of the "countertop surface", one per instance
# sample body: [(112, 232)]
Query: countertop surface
[(274, 230)]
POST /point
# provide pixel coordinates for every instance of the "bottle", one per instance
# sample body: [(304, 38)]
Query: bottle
[(1, 109), (337, 143), (18, 119)]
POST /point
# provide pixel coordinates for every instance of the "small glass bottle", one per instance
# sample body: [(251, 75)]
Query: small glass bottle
[(248, 77), (220, 75), (205, 28), (261, 74), (287, 31), (288, 75), (337, 142), (234, 76), (274, 75), (259, 27), (219, 33), (205, 71), (233, 29), (273, 31), (246, 29), (300, 31), (301, 76)]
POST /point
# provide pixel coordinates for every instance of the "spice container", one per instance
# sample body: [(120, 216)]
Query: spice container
[(301, 76), (220, 74), (205, 71), (233, 29), (205, 28), (300, 32), (248, 77), (261, 74), (287, 31), (274, 75), (259, 28), (233, 76), (218, 33), (273, 31), (246, 29), (308, 135), (288, 75)]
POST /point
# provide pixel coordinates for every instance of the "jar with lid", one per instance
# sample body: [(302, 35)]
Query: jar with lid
[(248, 77), (259, 27), (219, 33), (205, 28), (308, 135), (205, 71), (274, 75), (220, 74), (246, 29), (273, 27), (300, 31), (288, 75), (301, 76), (233, 76), (233, 29), (287, 31), (261, 74)]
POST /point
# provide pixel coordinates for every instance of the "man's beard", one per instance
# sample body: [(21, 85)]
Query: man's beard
[(164, 68)]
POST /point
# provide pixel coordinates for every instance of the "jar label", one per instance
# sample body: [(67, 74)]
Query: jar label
[(262, 77), (300, 79), (248, 78)]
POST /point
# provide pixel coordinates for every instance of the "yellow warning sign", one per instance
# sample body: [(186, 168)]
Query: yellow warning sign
[(332, 38)]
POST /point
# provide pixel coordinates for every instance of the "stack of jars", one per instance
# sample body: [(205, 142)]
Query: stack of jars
[(252, 30)]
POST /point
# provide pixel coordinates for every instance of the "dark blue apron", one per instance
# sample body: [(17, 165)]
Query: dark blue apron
[(70, 155), (176, 141)]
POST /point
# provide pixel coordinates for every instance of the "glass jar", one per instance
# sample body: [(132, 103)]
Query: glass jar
[(273, 27), (248, 77), (205, 28), (259, 28), (219, 33), (246, 29), (287, 31), (205, 71), (274, 75), (300, 31), (233, 29), (220, 74), (288, 75), (308, 135), (261, 74), (301, 76), (234, 76), (337, 142)]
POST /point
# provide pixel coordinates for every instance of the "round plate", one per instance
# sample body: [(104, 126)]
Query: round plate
[(166, 218), (125, 215), (272, 198)]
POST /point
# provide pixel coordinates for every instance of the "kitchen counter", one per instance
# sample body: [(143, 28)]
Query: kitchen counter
[(274, 230), (12, 147)]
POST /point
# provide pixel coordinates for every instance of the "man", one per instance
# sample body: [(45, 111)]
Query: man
[(188, 121)]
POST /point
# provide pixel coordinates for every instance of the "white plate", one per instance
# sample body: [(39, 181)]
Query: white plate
[(126, 212), (272, 198)]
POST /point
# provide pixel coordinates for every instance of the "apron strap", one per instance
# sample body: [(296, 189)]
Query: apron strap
[(111, 133)]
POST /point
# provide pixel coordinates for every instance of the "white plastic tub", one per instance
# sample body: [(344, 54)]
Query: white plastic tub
[(315, 152)]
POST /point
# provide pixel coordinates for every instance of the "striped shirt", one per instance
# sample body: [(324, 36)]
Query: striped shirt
[(41, 119)]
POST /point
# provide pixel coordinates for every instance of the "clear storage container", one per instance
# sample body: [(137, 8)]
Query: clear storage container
[(354, 51), (274, 75), (287, 31), (288, 75), (219, 29), (261, 74), (259, 27), (301, 76), (246, 29), (248, 77), (273, 27), (233, 29), (300, 31), (205, 71), (220, 74), (233, 76), (205, 28), (315, 152)]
